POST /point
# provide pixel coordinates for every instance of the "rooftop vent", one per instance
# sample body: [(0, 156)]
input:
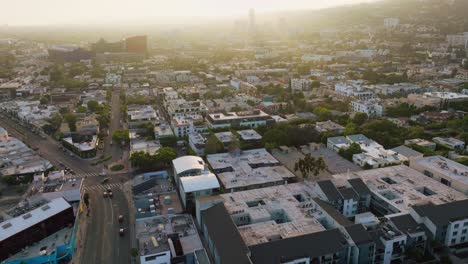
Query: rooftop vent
[(26, 216), (45, 207)]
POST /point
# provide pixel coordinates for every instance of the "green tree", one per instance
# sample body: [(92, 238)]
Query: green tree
[(44, 100), (147, 130), (71, 120), (360, 118), (348, 153), (310, 164), (121, 135), (275, 137), (86, 199), (322, 113), (141, 159), (134, 252), (385, 132), (315, 84), (351, 129), (416, 132), (82, 109), (55, 121), (213, 145), (93, 106), (165, 155)]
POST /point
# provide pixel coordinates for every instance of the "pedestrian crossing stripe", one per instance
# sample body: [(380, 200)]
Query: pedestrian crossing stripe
[(82, 175), (103, 187)]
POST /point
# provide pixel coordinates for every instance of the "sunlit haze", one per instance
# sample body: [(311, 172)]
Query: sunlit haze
[(35, 12)]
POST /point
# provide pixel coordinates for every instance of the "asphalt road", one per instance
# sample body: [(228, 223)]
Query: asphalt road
[(103, 244), (47, 148), (114, 150)]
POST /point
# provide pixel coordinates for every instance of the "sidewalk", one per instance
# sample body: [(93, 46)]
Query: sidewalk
[(80, 236)]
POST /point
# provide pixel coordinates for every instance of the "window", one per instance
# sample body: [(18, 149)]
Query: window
[(428, 173), (453, 241), (455, 233), (456, 226), (464, 231)]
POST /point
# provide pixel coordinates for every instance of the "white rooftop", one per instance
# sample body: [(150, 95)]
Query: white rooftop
[(444, 166), (446, 95), (186, 163), (199, 183), (249, 134)]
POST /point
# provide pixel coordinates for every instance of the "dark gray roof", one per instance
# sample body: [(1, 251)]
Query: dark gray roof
[(338, 140), (310, 245), (359, 186), (359, 138), (335, 214), (225, 236), (349, 193), (407, 152), (359, 234), (405, 223), (443, 214), (330, 190)]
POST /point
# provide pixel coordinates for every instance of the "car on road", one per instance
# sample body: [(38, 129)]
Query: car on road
[(121, 231), (105, 194), (109, 191), (121, 218), (104, 180)]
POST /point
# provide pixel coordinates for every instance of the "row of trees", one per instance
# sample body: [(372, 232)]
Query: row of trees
[(284, 134), (161, 159)]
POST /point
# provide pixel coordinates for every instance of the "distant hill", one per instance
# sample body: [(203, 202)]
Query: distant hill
[(450, 16)]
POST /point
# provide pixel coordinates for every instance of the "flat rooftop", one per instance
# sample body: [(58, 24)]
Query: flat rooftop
[(250, 167), (249, 134), (238, 115), (152, 234), (335, 163), (402, 187), (224, 137), (273, 212), (444, 166), (31, 218), (446, 95)]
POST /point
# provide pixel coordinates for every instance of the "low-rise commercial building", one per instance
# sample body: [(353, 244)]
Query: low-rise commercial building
[(372, 109), (250, 169), (166, 238), (444, 170), (329, 126), (252, 118), (450, 142), (26, 229), (398, 188), (422, 143)]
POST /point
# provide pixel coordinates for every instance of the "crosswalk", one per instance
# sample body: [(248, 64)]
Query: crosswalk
[(82, 175), (103, 187)]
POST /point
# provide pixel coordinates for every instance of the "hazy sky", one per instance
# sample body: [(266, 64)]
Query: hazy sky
[(40, 12)]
